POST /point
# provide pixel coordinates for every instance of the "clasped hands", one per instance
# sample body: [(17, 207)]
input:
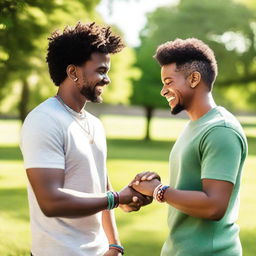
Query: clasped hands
[(139, 192)]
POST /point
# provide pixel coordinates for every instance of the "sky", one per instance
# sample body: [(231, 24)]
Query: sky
[(130, 15)]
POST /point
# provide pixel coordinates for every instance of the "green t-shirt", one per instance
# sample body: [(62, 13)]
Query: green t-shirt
[(213, 147)]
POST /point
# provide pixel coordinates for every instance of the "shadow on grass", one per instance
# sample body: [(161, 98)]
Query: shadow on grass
[(150, 150), (10, 153), (150, 246), (139, 149), (126, 149), (14, 203)]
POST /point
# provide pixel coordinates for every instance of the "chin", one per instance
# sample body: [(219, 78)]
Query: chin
[(97, 99), (177, 109)]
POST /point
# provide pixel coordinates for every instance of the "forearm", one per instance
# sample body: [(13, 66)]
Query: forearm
[(193, 203), (71, 203), (109, 225), (109, 222), (210, 203)]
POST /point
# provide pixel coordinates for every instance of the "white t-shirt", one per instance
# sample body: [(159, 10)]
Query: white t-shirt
[(51, 138)]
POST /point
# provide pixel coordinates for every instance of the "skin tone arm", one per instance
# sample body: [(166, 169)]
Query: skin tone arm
[(109, 225), (55, 201), (210, 203)]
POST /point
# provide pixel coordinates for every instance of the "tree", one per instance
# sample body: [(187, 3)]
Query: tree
[(227, 27), (24, 27), (19, 27)]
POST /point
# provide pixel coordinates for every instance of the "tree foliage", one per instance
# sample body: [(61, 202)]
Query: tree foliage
[(229, 28), (24, 28)]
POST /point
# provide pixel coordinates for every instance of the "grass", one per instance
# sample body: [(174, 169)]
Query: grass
[(142, 233)]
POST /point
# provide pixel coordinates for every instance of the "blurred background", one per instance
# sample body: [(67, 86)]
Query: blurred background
[(139, 127)]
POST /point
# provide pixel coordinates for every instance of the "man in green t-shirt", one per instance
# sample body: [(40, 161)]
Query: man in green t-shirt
[(205, 162)]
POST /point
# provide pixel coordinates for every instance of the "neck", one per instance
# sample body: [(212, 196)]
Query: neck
[(200, 106), (72, 98)]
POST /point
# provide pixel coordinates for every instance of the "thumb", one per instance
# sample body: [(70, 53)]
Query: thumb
[(135, 199)]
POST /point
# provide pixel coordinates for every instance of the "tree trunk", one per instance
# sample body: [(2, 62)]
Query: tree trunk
[(149, 113), (23, 104)]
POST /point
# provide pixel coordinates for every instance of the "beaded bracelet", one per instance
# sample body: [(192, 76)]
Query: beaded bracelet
[(117, 247), (156, 191), (113, 200), (160, 194)]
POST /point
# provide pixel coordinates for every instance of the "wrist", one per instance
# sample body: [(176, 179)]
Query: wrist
[(157, 184), (125, 195), (122, 198), (113, 200), (117, 247), (159, 193)]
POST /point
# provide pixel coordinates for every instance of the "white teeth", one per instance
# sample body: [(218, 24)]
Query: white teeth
[(170, 99)]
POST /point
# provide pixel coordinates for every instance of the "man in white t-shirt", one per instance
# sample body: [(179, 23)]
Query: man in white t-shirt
[(64, 150)]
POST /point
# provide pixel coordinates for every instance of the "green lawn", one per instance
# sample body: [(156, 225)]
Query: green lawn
[(142, 233)]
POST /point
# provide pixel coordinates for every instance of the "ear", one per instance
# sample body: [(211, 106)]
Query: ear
[(194, 79), (72, 72)]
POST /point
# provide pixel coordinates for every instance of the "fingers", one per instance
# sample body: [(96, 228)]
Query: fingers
[(142, 200), (132, 207), (143, 176), (148, 200), (138, 200), (135, 199), (152, 176), (137, 179)]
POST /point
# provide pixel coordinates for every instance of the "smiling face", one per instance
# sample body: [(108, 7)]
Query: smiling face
[(176, 88), (92, 76)]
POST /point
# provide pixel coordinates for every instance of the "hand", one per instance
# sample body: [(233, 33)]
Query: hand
[(112, 252), (143, 176), (130, 200), (146, 187)]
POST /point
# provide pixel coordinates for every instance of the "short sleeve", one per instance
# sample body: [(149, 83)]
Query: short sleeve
[(42, 142), (221, 154)]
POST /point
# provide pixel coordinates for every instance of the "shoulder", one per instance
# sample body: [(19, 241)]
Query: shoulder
[(48, 111), (223, 123), (225, 137), (226, 119), (46, 116)]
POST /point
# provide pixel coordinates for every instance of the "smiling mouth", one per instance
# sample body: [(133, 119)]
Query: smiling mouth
[(170, 98), (100, 89)]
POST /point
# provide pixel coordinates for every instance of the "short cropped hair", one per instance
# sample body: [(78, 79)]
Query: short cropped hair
[(76, 44), (189, 55)]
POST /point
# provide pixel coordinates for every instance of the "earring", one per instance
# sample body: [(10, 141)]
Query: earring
[(75, 79)]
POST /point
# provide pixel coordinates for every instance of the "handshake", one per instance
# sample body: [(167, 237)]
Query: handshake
[(139, 192)]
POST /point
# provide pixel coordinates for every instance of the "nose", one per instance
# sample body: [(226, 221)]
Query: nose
[(106, 79), (164, 91)]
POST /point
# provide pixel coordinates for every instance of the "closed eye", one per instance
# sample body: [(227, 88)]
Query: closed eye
[(167, 81), (102, 70)]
